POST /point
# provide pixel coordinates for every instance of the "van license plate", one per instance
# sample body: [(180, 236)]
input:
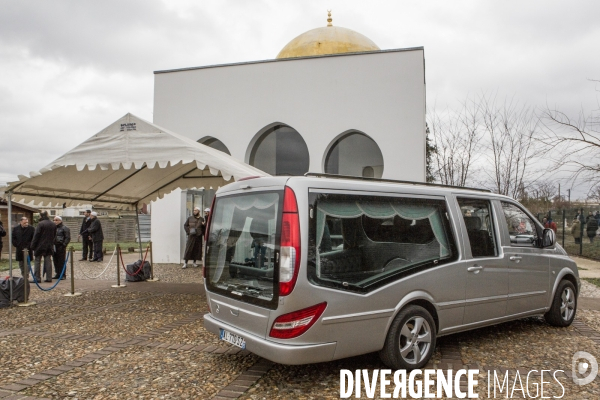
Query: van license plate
[(233, 338)]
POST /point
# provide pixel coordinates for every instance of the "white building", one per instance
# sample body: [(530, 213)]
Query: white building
[(330, 102)]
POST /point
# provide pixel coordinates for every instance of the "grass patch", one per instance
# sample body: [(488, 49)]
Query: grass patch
[(4, 265), (581, 269), (590, 250), (593, 281)]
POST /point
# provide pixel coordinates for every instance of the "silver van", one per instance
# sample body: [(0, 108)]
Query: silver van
[(316, 268)]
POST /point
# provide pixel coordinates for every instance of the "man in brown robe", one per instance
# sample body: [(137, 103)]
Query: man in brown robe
[(194, 228)]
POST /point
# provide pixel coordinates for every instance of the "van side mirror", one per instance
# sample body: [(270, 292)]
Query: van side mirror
[(548, 238)]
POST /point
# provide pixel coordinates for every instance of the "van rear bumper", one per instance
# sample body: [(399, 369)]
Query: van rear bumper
[(276, 352)]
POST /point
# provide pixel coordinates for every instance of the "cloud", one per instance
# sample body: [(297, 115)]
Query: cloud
[(70, 68)]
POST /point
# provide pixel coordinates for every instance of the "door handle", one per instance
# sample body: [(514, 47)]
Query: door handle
[(515, 258), (475, 269)]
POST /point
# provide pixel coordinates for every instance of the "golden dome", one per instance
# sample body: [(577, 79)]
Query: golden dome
[(327, 40)]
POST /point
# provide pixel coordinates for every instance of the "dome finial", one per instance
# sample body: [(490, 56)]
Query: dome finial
[(329, 18)]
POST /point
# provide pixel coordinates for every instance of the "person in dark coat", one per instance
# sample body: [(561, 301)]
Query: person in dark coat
[(194, 228), (591, 228), (2, 234), (97, 236), (61, 241), (86, 244), (22, 235), (43, 245)]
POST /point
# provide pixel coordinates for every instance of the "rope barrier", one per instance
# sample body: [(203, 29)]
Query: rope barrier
[(101, 273), (141, 266), (59, 278)]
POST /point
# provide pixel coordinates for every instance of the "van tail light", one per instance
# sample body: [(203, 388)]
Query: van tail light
[(294, 324), (289, 251), (206, 236)]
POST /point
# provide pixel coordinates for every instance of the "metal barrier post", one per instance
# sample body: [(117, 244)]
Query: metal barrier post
[(118, 285), (72, 256), (27, 303), (564, 227), (152, 278), (581, 221)]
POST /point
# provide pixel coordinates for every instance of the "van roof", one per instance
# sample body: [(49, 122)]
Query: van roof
[(321, 180)]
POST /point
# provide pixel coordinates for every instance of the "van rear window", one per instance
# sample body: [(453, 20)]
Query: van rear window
[(360, 242), (244, 236)]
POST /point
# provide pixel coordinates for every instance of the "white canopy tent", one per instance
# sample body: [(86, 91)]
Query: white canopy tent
[(130, 162)]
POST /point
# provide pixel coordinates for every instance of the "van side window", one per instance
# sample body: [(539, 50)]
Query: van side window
[(362, 242), (521, 228), (477, 215)]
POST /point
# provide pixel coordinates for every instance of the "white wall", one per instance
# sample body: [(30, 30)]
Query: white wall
[(168, 235), (381, 94)]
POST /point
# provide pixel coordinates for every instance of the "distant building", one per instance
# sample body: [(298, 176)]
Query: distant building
[(331, 101)]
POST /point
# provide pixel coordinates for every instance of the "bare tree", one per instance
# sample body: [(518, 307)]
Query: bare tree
[(510, 129), (574, 143), (456, 137)]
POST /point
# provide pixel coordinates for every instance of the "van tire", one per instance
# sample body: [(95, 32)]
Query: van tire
[(424, 339), (565, 296)]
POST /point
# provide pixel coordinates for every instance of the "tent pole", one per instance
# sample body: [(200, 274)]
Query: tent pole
[(137, 218), (10, 250)]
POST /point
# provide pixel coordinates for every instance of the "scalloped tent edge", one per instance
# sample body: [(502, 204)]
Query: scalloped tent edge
[(130, 161)]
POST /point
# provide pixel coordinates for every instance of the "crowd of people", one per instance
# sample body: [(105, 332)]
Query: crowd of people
[(585, 226), (46, 244)]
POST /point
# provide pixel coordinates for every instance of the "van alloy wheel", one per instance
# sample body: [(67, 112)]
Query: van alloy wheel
[(415, 340), (564, 305), (410, 340), (567, 308)]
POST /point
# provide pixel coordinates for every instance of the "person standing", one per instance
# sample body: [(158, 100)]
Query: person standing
[(591, 228), (87, 246), (206, 217), (61, 241), (2, 234), (194, 228), (22, 235), (549, 224), (576, 230), (96, 236), (42, 245)]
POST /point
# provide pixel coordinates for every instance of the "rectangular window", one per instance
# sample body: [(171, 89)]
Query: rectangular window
[(358, 243), (477, 215), (521, 228), (241, 247)]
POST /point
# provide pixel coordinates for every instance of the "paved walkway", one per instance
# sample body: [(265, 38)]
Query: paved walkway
[(147, 340)]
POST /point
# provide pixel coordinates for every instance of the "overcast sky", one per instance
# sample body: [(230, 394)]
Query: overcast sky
[(70, 68)]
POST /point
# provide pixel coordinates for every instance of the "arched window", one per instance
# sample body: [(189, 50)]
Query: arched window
[(214, 143), (280, 150), (354, 154)]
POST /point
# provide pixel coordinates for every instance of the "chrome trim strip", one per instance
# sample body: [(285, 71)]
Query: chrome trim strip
[(358, 316), (493, 321), (450, 304), (526, 294)]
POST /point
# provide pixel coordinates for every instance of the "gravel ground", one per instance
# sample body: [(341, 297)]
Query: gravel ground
[(149, 373), (589, 290), (172, 319), (112, 324), (20, 357)]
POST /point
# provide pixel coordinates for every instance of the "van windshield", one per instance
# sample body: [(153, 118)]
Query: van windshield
[(241, 245), (362, 242)]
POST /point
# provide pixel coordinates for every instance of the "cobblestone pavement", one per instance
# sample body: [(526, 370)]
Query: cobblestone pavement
[(146, 340)]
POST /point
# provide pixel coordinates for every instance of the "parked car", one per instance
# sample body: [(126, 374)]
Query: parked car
[(309, 269)]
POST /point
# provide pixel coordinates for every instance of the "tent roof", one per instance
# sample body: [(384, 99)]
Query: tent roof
[(130, 161)]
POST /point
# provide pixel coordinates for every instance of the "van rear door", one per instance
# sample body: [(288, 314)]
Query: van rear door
[(242, 253)]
